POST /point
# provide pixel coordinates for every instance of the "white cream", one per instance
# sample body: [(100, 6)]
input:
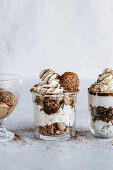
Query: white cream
[(102, 127), (65, 115), (50, 82), (46, 74), (104, 101), (104, 82)]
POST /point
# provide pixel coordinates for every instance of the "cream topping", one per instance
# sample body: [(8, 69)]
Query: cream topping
[(50, 82), (104, 82)]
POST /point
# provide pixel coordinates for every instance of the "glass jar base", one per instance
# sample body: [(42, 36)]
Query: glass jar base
[(52, 137), (100, 134), (7, 136)]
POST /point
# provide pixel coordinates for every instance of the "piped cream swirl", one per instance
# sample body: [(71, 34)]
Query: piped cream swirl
[(104, 82), (50, 82)]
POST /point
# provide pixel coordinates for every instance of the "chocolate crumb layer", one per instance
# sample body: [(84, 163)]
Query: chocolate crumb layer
[(55, 129), (51, 105), (99, 93), (102, 113)]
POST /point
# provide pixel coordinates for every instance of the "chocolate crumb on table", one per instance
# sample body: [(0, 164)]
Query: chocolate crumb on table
[(16, 138)]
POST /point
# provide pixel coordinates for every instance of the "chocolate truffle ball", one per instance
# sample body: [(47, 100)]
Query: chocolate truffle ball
[(69, 81)]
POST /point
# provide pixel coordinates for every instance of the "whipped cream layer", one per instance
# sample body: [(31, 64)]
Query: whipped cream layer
[(65, 115), (102, 127), (50, 82), (104, 101), (104, 82)]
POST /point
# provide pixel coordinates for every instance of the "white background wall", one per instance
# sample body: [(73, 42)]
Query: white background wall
[(66, 35)]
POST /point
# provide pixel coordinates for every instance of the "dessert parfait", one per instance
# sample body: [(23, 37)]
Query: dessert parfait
[(10, 90), (54, 101), (100, 96)]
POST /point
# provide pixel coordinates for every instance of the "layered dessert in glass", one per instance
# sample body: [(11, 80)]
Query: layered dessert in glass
[(100, 96), (10, 90), (54, 101)]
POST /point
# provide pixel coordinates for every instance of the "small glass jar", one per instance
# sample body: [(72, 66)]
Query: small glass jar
[(54, 115), (101, 114)]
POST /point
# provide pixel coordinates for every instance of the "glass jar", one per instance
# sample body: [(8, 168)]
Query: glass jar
[(54, 115), (101, 114)]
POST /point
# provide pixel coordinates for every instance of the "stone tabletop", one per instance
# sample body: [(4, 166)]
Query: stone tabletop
[(25, 152)]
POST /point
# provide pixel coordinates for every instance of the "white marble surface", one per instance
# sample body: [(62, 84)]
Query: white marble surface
[(38, 34), (84, 153)]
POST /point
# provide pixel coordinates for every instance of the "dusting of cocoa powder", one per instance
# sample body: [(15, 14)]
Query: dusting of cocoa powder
[(17, 138)]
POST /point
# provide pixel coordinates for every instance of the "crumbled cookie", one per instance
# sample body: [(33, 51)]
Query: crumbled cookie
[(57, 132), (61, 126), (37, 100), (69, 100), (55, 129), (51, 105)]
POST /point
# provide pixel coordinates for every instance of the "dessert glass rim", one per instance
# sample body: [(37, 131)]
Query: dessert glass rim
[(54, 94), (101, 93), (9, 77)]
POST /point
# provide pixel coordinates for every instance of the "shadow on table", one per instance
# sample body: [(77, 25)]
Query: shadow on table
[(83, 133)]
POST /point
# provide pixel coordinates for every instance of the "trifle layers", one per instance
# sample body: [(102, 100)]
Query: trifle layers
[(101, 108), (54, 100), (100, 96), (54, 115)]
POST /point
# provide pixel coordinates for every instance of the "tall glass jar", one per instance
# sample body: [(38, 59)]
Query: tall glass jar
[(55, 115), (101, 114)]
